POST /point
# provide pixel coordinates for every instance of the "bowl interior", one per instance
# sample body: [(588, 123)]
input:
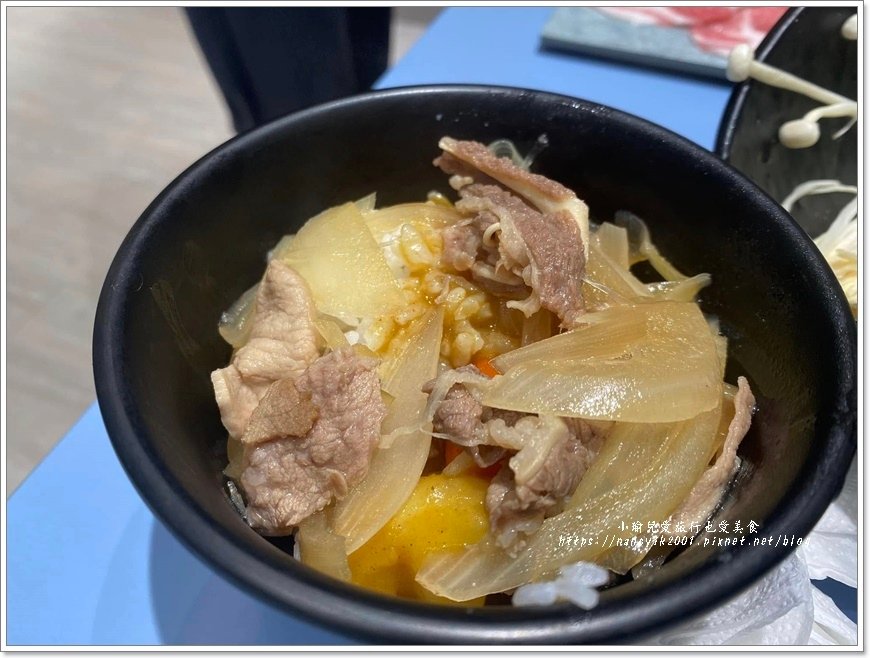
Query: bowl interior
[(203, 242), (806, 43)]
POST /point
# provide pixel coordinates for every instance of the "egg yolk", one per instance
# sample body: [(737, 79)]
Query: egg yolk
[(444, 513)]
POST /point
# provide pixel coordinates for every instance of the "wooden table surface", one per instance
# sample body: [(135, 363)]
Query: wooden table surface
[(106, 105)]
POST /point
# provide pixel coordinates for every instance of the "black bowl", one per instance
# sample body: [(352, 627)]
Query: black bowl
[(806, 42), (203, 241)]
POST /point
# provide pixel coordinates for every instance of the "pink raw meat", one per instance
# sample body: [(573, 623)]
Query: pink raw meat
[(671, 16), (749, 25), (713, 29)]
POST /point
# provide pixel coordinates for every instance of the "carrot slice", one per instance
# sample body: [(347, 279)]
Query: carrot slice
[(485, 366), (489, 472), (451, 451)]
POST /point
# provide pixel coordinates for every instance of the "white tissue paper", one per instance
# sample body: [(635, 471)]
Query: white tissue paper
[(831, 549), (785, 608)]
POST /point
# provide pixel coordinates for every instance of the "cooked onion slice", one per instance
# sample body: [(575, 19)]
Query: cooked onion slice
[(343, 265), (234, 326), (235, 459), (642, 474), (322, 549), (395, 470), (367, 203), (419, 215), (642, 247), (613, 241), (607, 282), (538, 327), (330, 332), (650, 363), (683, 290)]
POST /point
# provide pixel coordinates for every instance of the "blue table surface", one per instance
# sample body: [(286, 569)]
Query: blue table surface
[(87, 562)]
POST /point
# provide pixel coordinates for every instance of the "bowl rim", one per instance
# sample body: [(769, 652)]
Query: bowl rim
[(299, 590)]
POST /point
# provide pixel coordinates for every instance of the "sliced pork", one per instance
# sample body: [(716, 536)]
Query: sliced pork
[(544, 251), (282, 343), (470, 159), (707, 492), (525, 492), (521, 232), (461, 418), (548, 455), (518, 508), (289, 476), (282, 412)]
